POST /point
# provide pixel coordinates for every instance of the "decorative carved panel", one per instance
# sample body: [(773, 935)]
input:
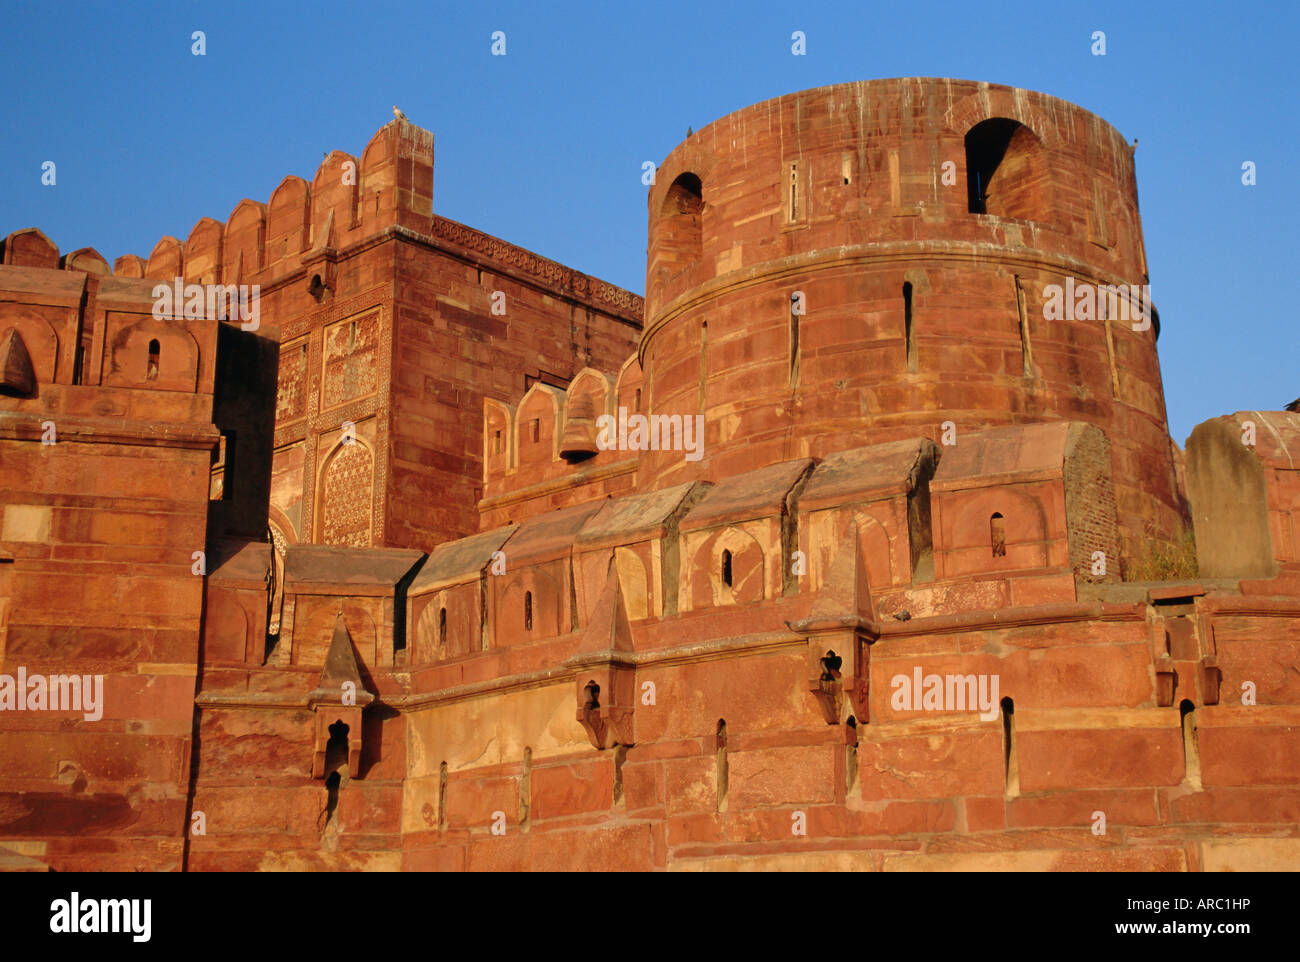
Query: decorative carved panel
[(291, 398), (346, 494), (350, 359)]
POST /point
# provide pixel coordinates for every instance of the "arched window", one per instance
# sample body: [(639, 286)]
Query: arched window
[(151, 372), (1005, 170), (677, 240), (726, 568), (998, 535)]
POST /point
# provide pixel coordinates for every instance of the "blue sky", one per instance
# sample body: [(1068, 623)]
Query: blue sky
[(543, 147)]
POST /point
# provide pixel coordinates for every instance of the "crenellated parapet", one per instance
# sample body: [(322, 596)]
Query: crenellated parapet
[(559, 446), (347, 200)]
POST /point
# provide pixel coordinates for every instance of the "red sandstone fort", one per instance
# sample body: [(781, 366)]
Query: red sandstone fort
[(368, 586)]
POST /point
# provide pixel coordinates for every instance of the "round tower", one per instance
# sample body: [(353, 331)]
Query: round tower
[(885, 259)]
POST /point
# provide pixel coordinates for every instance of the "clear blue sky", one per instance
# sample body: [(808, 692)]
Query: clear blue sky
[(544, 146)]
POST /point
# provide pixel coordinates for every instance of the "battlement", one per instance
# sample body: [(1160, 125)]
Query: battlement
[(450, 564), (77, 341), (348, 200)]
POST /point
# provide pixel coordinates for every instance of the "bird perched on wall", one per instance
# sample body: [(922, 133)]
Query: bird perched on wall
[(397, 113), (904, 615), (1294, 406)]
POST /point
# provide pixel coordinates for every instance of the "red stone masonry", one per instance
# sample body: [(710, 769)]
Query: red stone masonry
[(841, 193), (104, 464), (442, 627)]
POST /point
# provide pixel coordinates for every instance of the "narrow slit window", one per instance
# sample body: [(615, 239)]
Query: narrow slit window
[(720, 774), (726, 568), (442, 796), (909, 329), (1010, 765), (792, 188), (704, 362), (525, 789), (535, 428), (442, 627), (155, 351), (850, 754), (1191, 750), (528, 611), (998, 535), (794, 350), (1026, 351)]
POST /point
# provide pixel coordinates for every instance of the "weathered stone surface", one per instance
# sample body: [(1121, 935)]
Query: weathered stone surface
[(365, 593)]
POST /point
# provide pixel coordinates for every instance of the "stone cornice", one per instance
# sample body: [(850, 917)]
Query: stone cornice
[(565, 482), (27, 427)]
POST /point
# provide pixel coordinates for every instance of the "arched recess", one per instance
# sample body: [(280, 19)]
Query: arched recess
[(499, 448), (876, 549), (1022, 527), (345, 496), (587, 399), (435, 639), (677, 241), (628, 389), (39, 338), (633, 583), (595, 384), (312, 636), (1006, 171), (130, 358), (282, 535), (543, 608), (228, 632), (741, 555), (539, 423)]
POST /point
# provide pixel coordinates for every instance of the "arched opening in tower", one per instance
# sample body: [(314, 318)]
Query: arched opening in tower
[(1005, 170), (678, 234)]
